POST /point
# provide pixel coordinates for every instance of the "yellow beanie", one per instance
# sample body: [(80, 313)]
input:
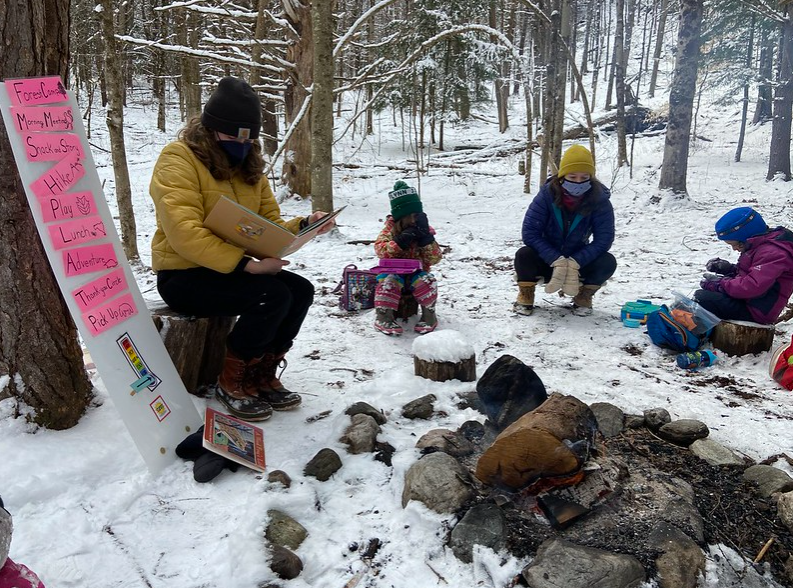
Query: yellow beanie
[(577, 159)]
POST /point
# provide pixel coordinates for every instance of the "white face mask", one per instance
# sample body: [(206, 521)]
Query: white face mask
[(6, 529), (576, 188)]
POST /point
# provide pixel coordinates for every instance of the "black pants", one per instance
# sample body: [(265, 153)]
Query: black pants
[(724, 307), (271, 308), (530, 268)]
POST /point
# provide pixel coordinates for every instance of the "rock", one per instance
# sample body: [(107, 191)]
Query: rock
[(789, 568), (784, 507), (485, 525), (609, 417), (681, 562), (364, 408), (446, 441), (474, 431), (681, 513), (438, 481), (562, 564), (361, 435), (281, 477), (683, 432), (323, 465), (421, 408), (283, 530), (768, 479), (634, 421), (715, 453), (656, 418), (509, 389), (285, 564), (384, 452)]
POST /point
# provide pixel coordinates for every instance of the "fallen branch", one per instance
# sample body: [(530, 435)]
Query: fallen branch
[(764, 550)]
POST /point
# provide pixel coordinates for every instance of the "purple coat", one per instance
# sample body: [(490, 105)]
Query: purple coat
[(764, 276)]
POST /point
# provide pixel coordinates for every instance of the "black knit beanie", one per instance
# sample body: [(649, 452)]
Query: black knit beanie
[(233, 109)]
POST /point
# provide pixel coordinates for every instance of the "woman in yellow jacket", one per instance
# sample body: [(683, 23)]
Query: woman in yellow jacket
[(200, 274)]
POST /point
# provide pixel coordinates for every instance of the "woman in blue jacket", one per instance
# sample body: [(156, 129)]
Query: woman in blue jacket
[(567, 231)]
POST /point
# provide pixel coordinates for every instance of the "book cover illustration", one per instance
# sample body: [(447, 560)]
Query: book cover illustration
[(234, 439)]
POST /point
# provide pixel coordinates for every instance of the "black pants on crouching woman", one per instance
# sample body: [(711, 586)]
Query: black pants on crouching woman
[(530, 267), (270, 308)]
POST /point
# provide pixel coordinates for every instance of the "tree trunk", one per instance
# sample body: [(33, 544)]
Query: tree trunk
[(501, 84), (681, 98), (763, 111), (779, 158), (538, 444), (115, 126), (620, 62), (659, 43), (269, 119), (39, 348), (322, 108), (745, 104), (297, 162)]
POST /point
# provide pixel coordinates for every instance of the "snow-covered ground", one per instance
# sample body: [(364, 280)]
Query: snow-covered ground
[(88, 513)]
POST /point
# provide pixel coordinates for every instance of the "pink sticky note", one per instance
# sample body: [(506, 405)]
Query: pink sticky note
[(65, 174), (86, 260), (100, 290), (67, 206), (111, 314), (29, 91), (77, 232), (42, 118), (51, 146)]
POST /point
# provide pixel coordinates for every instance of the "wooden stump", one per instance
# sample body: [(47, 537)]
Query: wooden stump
[(197, 346), (407, 306), (535, 445), (742, 337), (441, 371)]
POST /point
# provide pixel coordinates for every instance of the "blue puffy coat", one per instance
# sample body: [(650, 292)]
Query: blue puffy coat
[(554, 232)]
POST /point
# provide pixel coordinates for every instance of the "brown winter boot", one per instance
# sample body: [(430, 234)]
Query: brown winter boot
[(236, 393), (525, 302), (269, 387), (582, 302)]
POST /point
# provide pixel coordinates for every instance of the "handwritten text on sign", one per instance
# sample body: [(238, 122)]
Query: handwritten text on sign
[(85, 260), (60, 177), (101, 290), (114, 312), (67, 206), (51, 146), (36, 91), (77, 232), (43, 118)]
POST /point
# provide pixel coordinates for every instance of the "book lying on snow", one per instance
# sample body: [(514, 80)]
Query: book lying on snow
[(260, 237), (234, 439)]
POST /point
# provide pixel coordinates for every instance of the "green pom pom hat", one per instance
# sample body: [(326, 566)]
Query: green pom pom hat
[(404, 200)]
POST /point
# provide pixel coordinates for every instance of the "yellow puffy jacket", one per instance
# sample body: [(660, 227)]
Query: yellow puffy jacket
[(184, 192)]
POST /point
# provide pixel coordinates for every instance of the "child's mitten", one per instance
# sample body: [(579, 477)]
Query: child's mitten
[(558, 276), (572, 281)]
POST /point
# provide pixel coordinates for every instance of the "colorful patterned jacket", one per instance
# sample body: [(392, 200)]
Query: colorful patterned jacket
[(386, 248), (14, 575)]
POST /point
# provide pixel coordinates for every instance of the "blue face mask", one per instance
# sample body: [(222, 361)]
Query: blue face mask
[(576, 188), (235, 151)]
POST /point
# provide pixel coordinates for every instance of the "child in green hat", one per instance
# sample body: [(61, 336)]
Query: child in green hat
[(406, 235)]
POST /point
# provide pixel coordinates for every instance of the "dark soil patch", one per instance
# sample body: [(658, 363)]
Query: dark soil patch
[(733, 513)]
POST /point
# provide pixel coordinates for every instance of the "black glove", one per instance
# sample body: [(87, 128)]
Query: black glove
[(425, 239), (422, 222), (406, 237), (720, 266), (423, 225)]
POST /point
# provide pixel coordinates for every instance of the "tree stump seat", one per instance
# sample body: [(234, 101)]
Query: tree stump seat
[(197, 346), (742, 337)]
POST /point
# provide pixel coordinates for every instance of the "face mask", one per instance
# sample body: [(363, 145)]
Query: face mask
[(576, 188), (235, 151)]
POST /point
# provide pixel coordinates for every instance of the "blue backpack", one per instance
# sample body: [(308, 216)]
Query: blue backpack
[(666, 332)]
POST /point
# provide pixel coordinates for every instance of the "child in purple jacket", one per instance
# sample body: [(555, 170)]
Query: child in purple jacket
[(758, 287), (12, 575)]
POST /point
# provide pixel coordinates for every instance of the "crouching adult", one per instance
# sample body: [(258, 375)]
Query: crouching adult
[(567, 231), (759, 285)]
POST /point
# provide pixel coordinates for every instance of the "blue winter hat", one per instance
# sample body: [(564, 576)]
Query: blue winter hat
[(740, 224)]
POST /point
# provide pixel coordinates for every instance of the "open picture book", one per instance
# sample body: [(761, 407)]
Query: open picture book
[(234, 439), (260, 237)]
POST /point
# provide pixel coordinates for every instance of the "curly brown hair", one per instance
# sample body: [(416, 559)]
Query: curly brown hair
[(204, 143)]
